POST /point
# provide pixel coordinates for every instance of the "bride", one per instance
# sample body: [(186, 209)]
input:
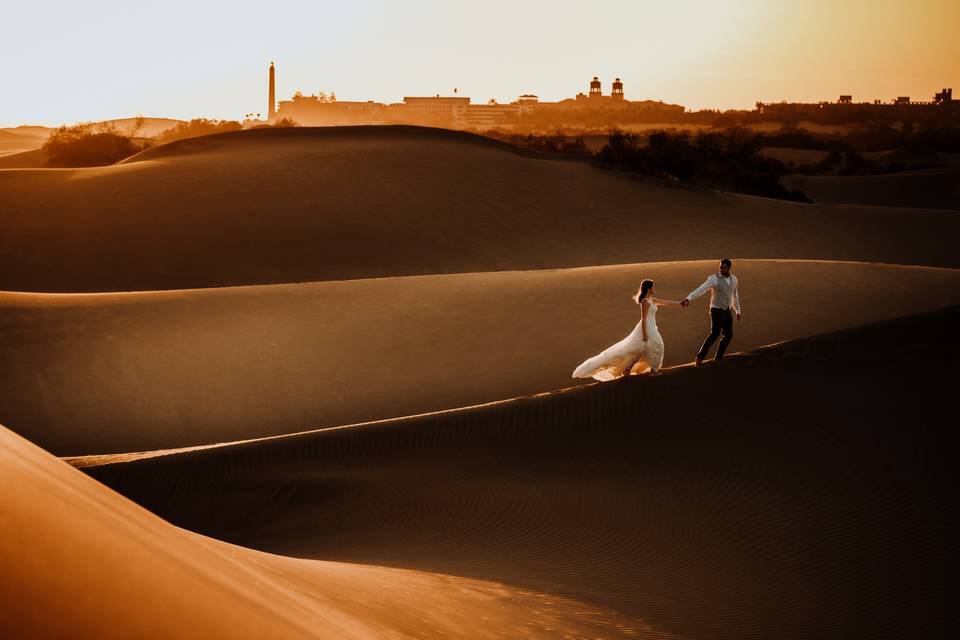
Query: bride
[(640, 351)]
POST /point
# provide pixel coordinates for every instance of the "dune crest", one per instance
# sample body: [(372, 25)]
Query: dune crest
[(301, 205), (215, 365), (936, 189), (817, 504), (81, 561)]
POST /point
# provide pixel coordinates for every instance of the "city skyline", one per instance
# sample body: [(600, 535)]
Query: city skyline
[(187, 61)]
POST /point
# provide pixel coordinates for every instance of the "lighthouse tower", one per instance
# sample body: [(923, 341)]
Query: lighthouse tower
[(272, 106)]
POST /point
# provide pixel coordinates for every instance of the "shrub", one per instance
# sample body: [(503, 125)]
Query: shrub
[(198, 127), (726, 160), (855, 164), (555, 143), (282, 123), (88, 145)]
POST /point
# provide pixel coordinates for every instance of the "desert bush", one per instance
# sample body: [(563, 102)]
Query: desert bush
[(728, 160), (875, 137), (282, 123), (854, 164), (559, 142), (89, 145), (198, 127), (796, 138), (944, 139)]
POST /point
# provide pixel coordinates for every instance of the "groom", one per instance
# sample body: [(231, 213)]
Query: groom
[(724, 302)]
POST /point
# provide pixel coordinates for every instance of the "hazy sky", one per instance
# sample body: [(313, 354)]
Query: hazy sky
[(76, 61)]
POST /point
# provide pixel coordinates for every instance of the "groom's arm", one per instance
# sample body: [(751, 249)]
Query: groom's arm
[(736, 296), (702, 289)]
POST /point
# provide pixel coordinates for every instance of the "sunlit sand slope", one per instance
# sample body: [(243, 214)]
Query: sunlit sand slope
[(80, 561), (294, 205), (119, 372), (800, 491), (23, 159), (935, 189)]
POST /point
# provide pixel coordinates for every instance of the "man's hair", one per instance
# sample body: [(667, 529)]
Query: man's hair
[(726, 262)]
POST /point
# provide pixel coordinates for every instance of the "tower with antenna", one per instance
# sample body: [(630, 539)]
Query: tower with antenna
[(272, 106)]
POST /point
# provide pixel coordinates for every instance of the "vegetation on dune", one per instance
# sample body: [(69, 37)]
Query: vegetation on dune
[(729, 160), (91, 145), (203, 127), (282, 123), (198, 127), (907, 148), (558, 142)]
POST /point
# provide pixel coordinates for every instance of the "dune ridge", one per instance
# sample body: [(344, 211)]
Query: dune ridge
[(930, 188), (81, 561), (311, 204), (828, 519), (106, 373)]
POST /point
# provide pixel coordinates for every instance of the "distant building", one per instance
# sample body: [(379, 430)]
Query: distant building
[(596, 98), (457, 112), (942, 108), (617, 93), (324, 111), (487, 116), (449, 111)]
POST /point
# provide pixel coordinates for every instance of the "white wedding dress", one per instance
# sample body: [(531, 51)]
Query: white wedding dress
[(630, 353)]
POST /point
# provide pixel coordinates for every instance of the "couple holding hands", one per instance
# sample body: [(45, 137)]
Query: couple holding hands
[(642, 350)]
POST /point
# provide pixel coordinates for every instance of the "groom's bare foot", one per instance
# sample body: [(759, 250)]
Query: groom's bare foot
[(699, 361)]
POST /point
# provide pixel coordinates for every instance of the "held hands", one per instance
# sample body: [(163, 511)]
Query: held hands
[(684, 303)]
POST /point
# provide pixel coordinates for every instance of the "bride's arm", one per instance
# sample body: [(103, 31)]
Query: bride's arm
[(644, 305), (666, 303)]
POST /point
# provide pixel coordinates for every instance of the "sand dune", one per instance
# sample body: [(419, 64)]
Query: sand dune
[(116, 372), (813, 503), (799, 490), (23, 160), (19, 139), (934, 189), (80, 561), (296, 205)]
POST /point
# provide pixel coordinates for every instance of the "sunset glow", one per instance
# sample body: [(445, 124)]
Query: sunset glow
[(106, 59)]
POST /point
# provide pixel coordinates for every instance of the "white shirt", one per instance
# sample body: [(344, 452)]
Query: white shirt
[(724, 292)]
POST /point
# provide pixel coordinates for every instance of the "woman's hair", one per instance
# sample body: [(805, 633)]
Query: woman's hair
[(645, 287)]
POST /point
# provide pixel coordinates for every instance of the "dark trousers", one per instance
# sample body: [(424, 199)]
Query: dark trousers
[(721, 322)]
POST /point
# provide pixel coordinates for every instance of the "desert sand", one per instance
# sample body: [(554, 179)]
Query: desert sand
[(340, 360), (932, 188), (302, 205), (213, 365), (20, 139), (818, 508), (81, 561), (30, 159)]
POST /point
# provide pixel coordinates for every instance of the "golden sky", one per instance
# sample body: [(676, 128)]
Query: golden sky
[(69, 62)]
